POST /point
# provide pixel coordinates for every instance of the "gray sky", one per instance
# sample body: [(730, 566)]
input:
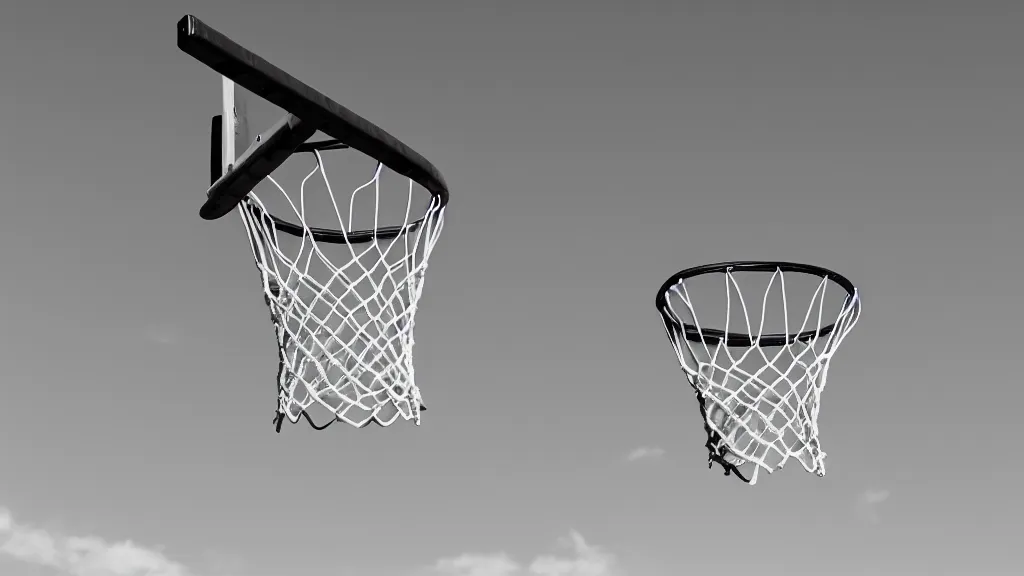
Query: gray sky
[(592, 150)]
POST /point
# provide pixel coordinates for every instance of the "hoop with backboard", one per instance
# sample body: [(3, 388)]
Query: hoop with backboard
[(759, 409), (342, 300)]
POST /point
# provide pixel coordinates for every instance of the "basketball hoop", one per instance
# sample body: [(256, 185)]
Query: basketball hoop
[(760, 409), (342, 301), (345, 330)]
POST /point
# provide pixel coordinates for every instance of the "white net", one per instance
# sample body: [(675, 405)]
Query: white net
[(760, 399), (344, 311)]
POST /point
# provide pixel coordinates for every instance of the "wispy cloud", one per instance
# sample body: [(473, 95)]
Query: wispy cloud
[(81, 555), (868, 503), (587, 560), (645, 453), (583, 560), (477, 565)]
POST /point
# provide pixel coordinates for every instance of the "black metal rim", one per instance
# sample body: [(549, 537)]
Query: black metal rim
[(714, 336)]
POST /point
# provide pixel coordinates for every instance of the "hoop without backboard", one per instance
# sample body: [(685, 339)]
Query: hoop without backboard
[(342, 297), (755, 344)]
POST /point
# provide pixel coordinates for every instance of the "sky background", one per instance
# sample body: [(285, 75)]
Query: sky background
[(592, 150)]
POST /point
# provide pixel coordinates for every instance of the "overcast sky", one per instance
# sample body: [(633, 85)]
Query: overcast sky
[(592, 150)]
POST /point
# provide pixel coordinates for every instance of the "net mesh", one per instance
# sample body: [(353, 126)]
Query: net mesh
[(344, 312), (760, 403)]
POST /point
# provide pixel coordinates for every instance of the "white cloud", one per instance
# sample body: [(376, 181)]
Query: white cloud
[(869, 502), (32, 546), (477, 565), (81, 556), (585, 560), (588, 560), (645, 452)]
